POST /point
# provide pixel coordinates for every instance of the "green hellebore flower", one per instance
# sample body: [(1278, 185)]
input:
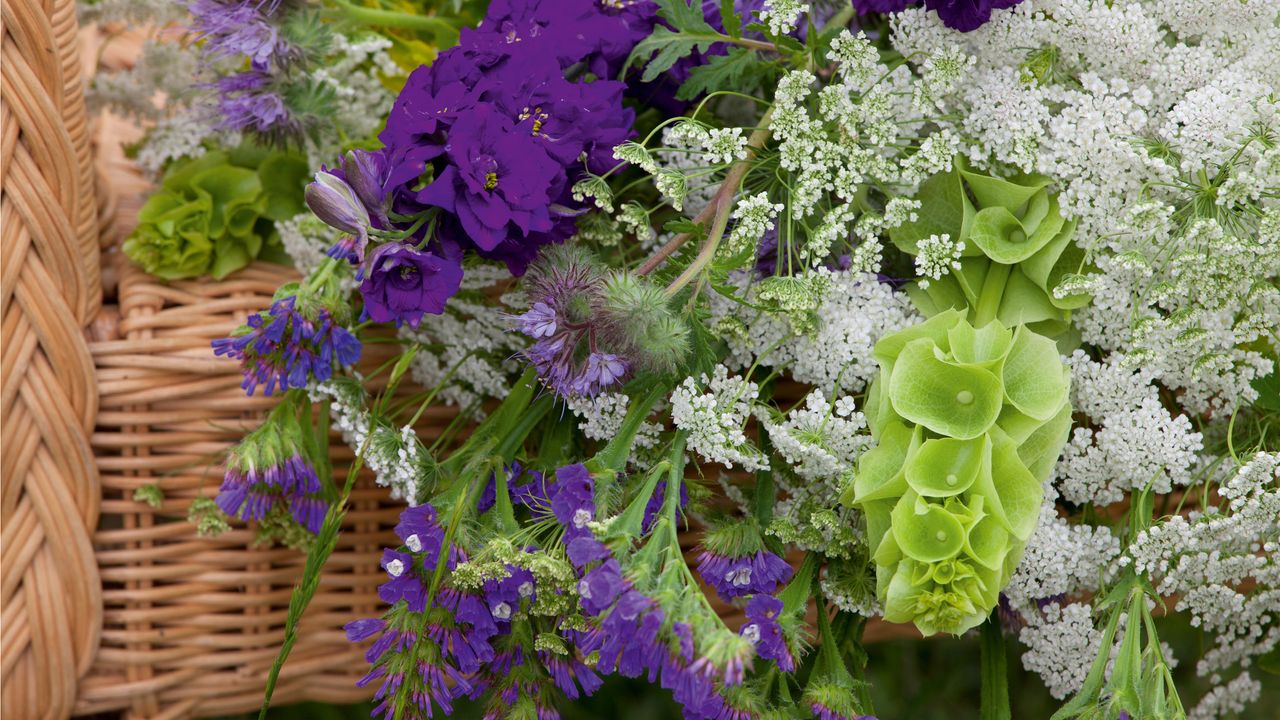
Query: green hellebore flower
[(1018, 249), (215, 214), (968, 422)]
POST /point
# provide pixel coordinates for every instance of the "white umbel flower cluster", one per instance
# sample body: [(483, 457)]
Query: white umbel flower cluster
[(936, 256), (782, 16), (1061, 558), (713, 410), (820, 441), (752, 217), (856, 311), (1061, 646), (1222, 565), (394, 456), (1137, 443)]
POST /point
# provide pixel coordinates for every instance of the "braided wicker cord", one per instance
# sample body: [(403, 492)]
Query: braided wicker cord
[(49, 291)]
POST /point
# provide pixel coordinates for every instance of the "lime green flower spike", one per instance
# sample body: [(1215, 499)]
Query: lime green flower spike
[(968, 423), (1017, 249)]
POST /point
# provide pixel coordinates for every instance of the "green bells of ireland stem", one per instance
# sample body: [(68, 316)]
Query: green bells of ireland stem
[(216, 213), (1018, 259), (969, 422)]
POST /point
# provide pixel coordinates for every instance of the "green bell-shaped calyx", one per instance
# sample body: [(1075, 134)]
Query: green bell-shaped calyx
[(968, 423), (1018, 249)]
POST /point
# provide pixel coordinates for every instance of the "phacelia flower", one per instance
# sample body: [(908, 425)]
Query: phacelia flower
[(761, 572), (286, 347), (231, 28), (402, 283)]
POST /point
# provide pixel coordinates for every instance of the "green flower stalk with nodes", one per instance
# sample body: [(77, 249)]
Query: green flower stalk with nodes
[(969, 421)]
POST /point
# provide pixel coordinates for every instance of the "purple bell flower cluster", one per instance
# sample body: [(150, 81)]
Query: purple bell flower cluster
[(962, 15), (759, 573), (286, 347), (250, 492)]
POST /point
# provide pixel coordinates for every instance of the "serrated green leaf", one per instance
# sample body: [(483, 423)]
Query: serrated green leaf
[(730, 19), (720, 72)]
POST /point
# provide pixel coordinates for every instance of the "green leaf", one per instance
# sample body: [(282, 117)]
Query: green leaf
[(720, 72), (942, 210), (284, 178), (664, 48), (953, 400), (1268, 388), (730, 19)]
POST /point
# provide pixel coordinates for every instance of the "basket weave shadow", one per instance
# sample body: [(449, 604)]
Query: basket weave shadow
[(50, 604)]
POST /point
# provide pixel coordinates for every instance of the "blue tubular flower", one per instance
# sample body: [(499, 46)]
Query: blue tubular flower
[(761, 572), (282, 348)]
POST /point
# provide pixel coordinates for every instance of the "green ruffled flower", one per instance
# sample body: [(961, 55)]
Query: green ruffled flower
[(1018, 249), (968, 422), (216, 213)]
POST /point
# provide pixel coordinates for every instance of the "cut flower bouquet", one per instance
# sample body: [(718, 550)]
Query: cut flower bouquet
[(960, 314)]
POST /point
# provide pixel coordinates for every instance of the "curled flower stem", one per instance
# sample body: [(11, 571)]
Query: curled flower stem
[(716, 211), (394, 19)]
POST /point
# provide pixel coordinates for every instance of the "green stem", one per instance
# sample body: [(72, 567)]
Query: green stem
[(992, 292), (995, 673), (443, 29), (614, 455)]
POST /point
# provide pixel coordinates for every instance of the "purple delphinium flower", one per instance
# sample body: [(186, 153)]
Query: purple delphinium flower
[(250, 492), (734, 577), (283, 348), (763, 631), (499, 182), (402, 283), (967, 15), (961, 15), (335, 203)]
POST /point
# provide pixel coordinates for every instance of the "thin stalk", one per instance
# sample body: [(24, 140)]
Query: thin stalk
[(717, 211)]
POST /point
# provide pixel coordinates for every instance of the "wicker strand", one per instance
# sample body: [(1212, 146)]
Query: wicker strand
[(50, 593)]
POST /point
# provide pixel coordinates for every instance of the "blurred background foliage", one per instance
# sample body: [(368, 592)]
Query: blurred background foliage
[(911, 680)]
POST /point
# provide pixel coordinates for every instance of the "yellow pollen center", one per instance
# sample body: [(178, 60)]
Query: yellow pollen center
[(490, 181)]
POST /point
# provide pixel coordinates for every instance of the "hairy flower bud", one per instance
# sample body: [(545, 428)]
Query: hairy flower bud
[(336, 204)]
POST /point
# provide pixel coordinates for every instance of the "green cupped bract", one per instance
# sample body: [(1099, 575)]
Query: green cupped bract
[(216, 213), (968, 423), (1018, 249)]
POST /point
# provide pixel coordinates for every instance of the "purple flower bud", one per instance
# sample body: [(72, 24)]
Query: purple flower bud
[(365, 173), (335, 203)]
